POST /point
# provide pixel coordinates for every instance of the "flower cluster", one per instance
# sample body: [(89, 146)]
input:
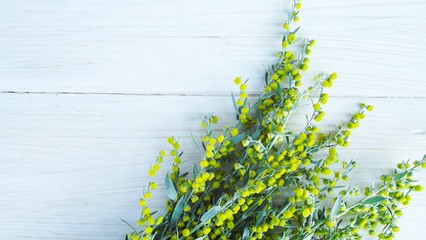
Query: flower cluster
[(260, 179)]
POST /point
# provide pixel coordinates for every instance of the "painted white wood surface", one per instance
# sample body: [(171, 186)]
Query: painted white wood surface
[(90, 90)]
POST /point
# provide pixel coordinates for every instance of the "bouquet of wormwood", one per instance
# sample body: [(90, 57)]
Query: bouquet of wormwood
[(260, 180)]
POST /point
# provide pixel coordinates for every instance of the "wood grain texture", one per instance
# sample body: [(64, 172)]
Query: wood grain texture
[(151, 47), (91, 89), (73, 165)]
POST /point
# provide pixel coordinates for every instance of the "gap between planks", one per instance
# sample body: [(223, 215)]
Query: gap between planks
[(190, 94)]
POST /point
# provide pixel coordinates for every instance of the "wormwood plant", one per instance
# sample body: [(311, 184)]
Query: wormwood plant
[(262, 180)]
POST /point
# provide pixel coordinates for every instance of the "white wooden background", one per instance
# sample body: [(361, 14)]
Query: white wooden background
[(90, 89)]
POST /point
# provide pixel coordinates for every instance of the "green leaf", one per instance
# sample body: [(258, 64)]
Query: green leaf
[(266, 77), (195, 169), (234, 102), (260, 216), (210, 214), (170, 188), (321, 213), (373, 200), (336, 206), (400, 176), (238, 138), (295, 31), (256, 134), (177, 212), (195, 143), (128, 224), (309, 237), (314, 150), (246, 234), (280, 91), (316, 162)]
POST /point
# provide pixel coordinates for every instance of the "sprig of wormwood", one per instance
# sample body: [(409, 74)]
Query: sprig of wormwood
[(260, 180)]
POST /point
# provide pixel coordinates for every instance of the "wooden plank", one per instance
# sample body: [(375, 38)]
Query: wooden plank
[(396, 122), (88, 203), (73, 165), (149, 47)]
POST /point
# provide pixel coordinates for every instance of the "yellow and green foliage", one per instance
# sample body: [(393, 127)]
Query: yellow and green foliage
[(260, 179)]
